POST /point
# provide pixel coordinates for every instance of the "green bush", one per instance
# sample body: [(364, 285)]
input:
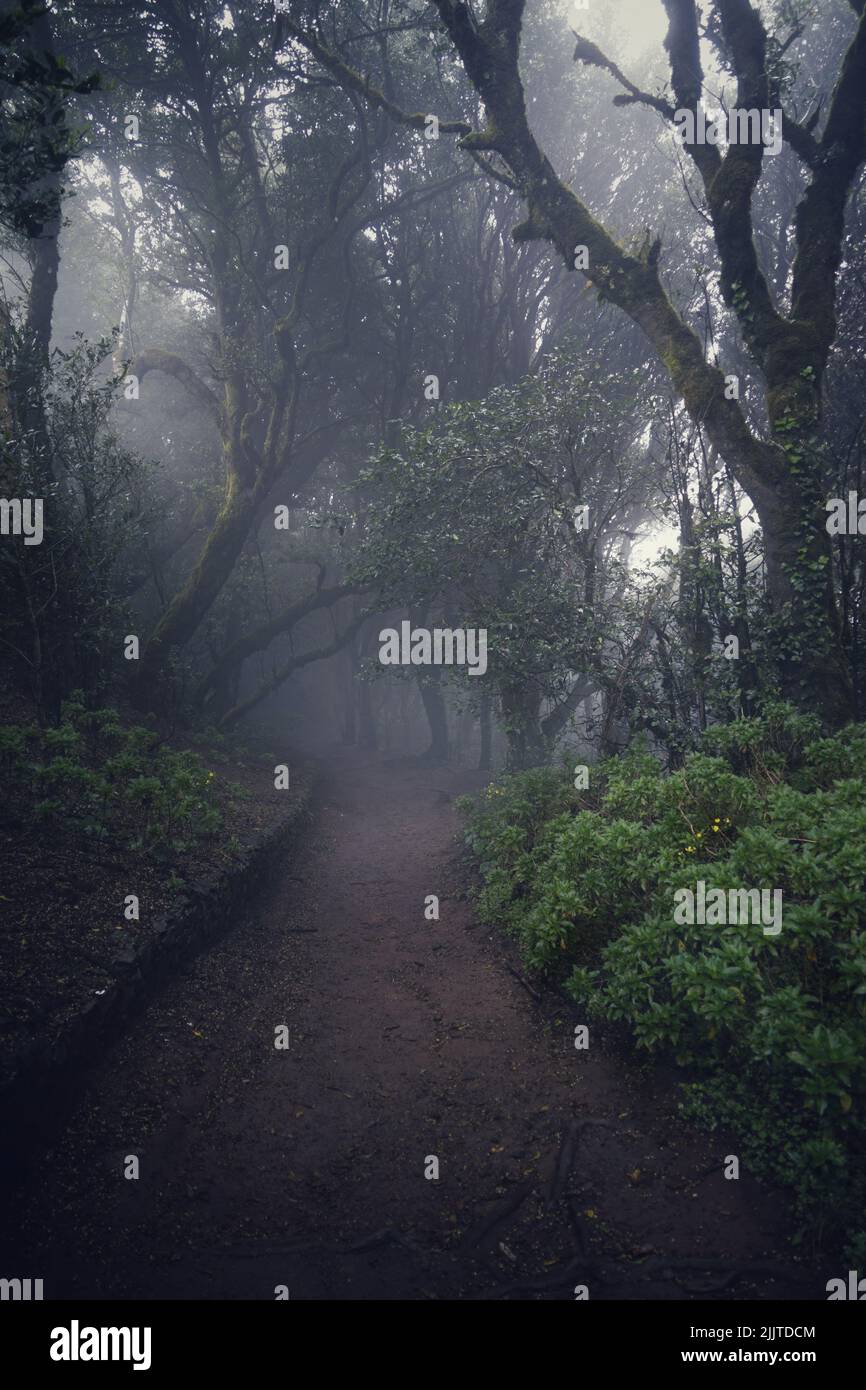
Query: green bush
[(771, 1028), (93, 776)]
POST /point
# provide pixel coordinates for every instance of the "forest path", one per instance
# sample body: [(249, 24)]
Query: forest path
[(408, 1038)]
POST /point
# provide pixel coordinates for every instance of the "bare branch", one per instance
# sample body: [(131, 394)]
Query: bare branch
[(158, 360), (261, 637), (587, 52), (288, 668)]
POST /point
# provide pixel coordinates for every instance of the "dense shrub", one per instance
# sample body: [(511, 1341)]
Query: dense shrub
[(772, 1029), (94, 776)]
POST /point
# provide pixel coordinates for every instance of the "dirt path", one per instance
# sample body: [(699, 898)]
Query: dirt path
[(408, 1039)]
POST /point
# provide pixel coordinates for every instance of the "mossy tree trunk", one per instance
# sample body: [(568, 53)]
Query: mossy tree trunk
[(262, 387), (521, 715)]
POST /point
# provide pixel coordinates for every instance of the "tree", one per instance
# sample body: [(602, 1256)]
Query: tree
[(37, 142), (781, 472), (515, 515)]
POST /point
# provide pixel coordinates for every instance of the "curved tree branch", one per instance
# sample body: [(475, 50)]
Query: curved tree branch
[(288, 668), (158, 360), (261, 637)]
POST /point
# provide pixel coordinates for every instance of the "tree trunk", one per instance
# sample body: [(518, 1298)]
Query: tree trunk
[(347, 666), (434, 708), (813, 670), (368, 734), (521, 708), (485, 720), (190, 604)]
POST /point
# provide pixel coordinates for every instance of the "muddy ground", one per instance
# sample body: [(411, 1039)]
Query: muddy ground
[(409, 1039)]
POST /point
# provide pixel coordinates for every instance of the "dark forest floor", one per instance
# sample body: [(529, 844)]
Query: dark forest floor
[(63, 892), (409, 1038)]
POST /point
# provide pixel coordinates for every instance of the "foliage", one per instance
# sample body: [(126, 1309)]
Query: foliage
[(94, 776), (498, 516), (64, 601), (35, 137), (772, 1029)]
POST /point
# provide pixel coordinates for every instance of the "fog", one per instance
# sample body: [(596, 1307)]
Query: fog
[(436, 429)]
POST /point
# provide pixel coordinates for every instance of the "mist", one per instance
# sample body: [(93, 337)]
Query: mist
[(432, 457)]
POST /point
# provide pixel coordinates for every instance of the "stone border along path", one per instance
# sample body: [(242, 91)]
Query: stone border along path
[(408, 1038), (39, 1081)]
